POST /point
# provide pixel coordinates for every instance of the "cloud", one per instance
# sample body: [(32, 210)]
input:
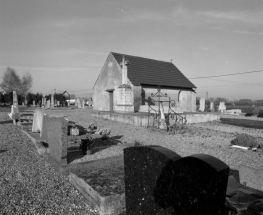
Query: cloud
[(121, 10), (246, 17)]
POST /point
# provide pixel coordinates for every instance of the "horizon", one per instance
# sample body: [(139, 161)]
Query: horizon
[(64, 44)]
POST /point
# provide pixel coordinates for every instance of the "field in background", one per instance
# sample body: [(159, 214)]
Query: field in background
[(244, 109)]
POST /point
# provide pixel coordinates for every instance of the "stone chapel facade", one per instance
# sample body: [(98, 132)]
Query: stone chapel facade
[(127, 82)]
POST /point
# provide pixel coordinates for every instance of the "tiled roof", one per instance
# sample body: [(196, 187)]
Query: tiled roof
[(154, 72)]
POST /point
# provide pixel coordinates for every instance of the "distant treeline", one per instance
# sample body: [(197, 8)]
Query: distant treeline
[(30, 97)]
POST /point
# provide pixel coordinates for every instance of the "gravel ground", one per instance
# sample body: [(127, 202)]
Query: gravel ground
[(28, 184), (211, 138)]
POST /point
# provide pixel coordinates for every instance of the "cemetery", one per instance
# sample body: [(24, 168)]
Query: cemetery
[(111, 165)]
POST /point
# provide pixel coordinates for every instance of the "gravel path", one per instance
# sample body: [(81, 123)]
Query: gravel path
[(211, 138), (28, 184)]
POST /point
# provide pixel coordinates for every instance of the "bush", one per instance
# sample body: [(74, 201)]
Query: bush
[(257, 110), (247, 141)]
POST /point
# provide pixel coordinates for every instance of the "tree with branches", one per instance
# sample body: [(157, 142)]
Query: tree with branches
[(12, 82)]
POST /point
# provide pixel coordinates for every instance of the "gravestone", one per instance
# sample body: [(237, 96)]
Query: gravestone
[(79, 103), (83, 103), (212, 106), (45, 102), (159, 181), (55, 133), (222, 107), (202, 104), (34, 103), (52, 101), (14, 115), (76, 103), (48, 104), (58, 103), (37, 121)]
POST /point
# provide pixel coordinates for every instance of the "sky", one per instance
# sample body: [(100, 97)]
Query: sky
[(63, 44)]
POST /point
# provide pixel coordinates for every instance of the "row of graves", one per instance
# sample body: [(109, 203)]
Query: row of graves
[(78, 103), (222, 109), (27, 116), (145, 179)]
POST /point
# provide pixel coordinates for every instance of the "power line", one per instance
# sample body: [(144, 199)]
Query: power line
[(240, 73)]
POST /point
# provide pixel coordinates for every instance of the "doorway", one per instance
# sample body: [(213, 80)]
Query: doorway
[(111, 100)]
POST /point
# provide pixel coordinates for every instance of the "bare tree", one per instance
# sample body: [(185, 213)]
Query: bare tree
[(26, 83)]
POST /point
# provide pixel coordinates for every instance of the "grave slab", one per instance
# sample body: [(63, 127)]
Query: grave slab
[(102, 183), (251, 176)]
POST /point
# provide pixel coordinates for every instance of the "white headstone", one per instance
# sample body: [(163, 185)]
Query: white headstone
[(83, 103), (52, 101), (48, 104), (34, 103), (222, 107), (58, 103), (14, 115), (202, 104), (212, 106), (79, 103)]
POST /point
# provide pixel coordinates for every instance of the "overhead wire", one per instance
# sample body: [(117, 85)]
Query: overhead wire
[(240, 73)]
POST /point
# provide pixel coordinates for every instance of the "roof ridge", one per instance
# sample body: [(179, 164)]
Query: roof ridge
[(141, 57)]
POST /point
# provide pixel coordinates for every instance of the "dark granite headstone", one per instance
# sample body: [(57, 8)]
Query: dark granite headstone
[(159, 181), (143, 167), (199, 185)]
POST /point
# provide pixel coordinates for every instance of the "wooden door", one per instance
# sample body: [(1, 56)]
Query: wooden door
[(111, 100)]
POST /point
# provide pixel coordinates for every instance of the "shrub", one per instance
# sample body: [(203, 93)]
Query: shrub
[(247, 141)]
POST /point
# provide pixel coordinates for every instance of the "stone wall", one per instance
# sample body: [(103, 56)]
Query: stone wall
[(184, 100)]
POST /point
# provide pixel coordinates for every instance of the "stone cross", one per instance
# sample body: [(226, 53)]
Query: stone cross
[(124, 65)]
